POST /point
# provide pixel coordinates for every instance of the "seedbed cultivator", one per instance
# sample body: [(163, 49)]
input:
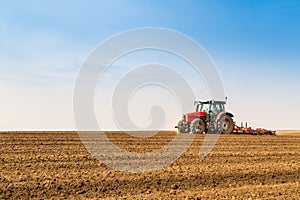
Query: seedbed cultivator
[(248, 130)]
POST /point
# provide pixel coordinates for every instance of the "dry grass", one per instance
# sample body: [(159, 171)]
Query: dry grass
[(288, 132)]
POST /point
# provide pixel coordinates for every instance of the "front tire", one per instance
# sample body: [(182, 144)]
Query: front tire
[(183, 127), (198, 126)]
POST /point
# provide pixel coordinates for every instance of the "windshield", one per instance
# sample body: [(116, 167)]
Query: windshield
[(203, 107), (206, 107)]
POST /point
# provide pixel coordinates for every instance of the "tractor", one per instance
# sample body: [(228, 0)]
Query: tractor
[(209, 117)]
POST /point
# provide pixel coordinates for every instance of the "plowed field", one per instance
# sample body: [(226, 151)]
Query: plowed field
[(57, 165)]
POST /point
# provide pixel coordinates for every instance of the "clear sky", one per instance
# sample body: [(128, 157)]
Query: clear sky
[(255, 45)]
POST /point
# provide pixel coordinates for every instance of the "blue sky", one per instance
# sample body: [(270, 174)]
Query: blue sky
[(255, 45)]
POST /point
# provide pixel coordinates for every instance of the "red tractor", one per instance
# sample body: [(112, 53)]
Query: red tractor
[(210, 117)]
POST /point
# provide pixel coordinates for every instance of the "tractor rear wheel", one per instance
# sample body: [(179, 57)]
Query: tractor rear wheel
[(198, 126), (226, 124)]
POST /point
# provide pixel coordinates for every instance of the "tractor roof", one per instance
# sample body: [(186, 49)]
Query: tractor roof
[(209, 102)]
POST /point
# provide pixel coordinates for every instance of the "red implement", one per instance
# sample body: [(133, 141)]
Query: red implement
[(249, 130)]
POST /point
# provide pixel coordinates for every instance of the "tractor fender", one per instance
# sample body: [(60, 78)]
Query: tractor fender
[(221, 114), (229, 114)]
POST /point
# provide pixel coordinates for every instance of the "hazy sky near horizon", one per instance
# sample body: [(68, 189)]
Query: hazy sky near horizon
[(255, 45)]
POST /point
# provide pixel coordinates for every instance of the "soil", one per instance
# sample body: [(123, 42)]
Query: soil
[(288, 132), (56, 165)]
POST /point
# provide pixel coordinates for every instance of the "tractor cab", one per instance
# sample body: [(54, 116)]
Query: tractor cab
[(210, 107)]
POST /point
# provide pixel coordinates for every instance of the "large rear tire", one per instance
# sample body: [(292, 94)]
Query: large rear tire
[(226, 124), (198, 126)]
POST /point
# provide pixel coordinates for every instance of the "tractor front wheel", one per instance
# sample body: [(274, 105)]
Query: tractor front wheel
[(198, 126), (183, 127)]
